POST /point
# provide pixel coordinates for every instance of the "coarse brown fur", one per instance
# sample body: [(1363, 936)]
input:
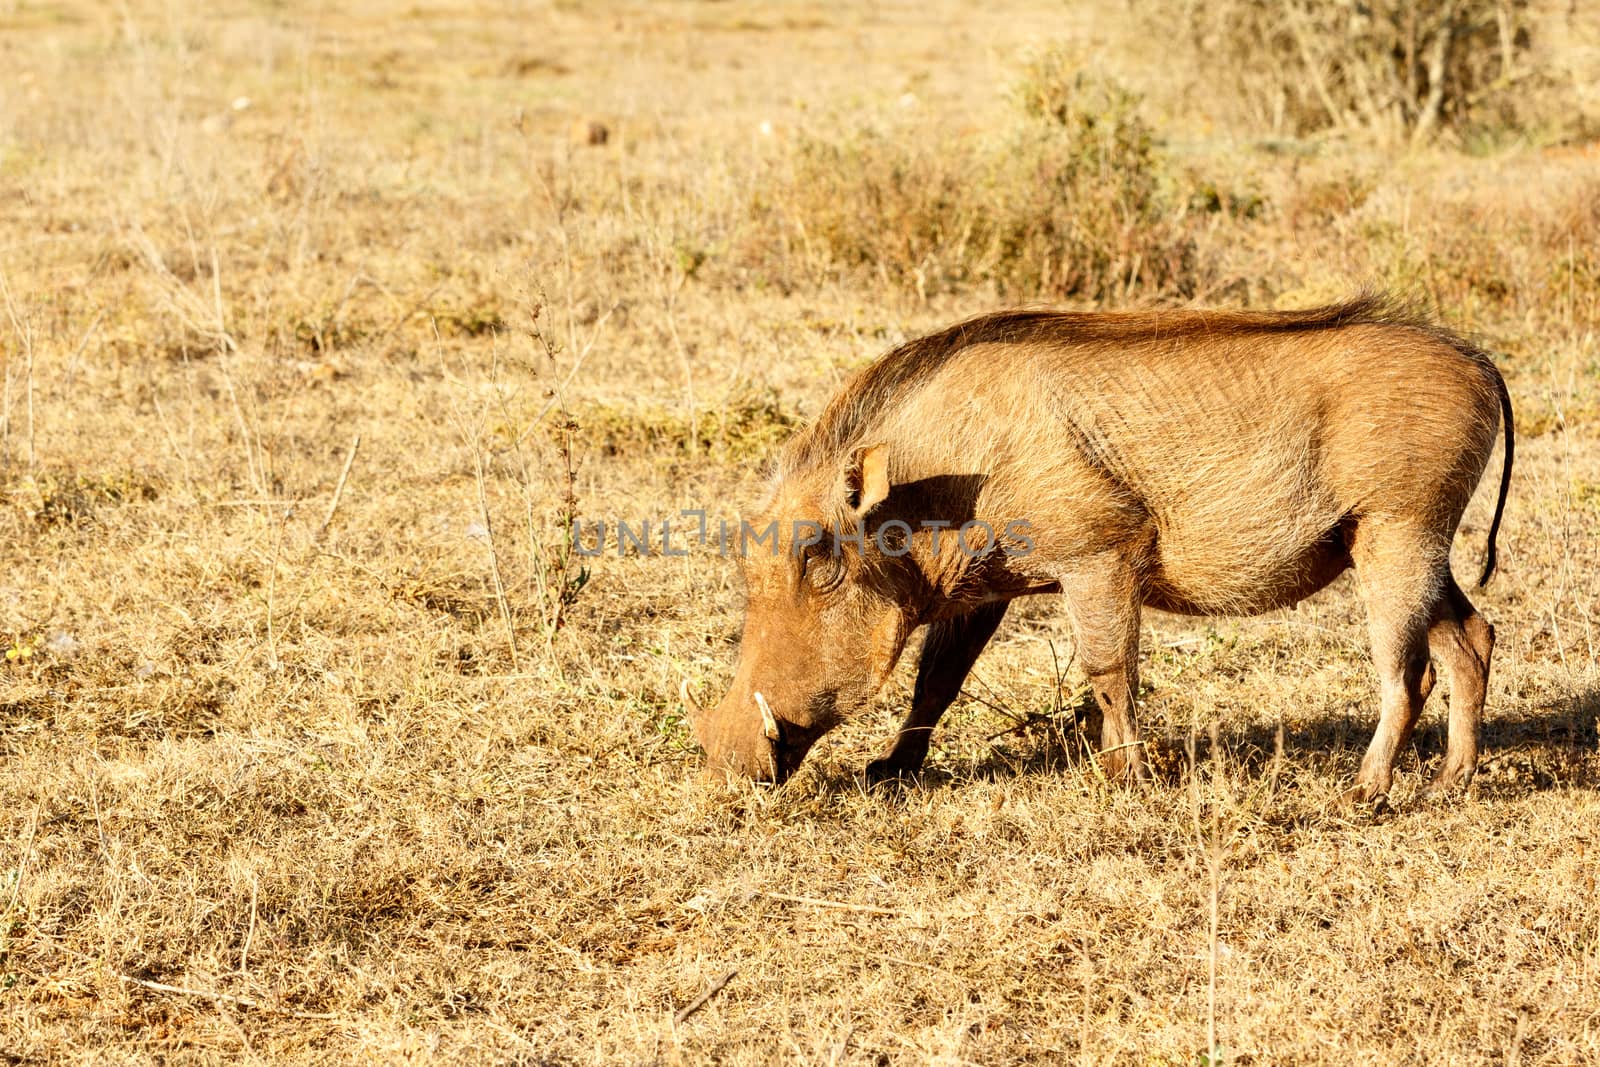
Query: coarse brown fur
[(1200, 462)]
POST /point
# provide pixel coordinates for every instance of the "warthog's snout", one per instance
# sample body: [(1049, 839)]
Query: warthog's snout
[(743, 737)]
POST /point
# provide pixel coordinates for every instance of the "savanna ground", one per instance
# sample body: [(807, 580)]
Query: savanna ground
[(323, 750)]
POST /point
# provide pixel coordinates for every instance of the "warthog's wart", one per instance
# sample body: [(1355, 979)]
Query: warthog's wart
[(1198, 462)]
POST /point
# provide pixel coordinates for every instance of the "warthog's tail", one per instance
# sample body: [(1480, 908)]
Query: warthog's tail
[(1505, 480)]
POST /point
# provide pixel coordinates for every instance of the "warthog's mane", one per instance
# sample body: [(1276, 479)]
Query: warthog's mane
[(850, 417)]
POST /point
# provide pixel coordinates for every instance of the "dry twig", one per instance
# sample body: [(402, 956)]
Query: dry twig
[(840, 905), (229, 998), (703, 999), (338, 489)]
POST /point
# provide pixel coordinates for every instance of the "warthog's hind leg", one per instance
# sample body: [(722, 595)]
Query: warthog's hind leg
[(951, 648), (1462, 641), (1403, 572)]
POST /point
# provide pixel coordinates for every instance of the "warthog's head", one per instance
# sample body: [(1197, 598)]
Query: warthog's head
[(826, 618)]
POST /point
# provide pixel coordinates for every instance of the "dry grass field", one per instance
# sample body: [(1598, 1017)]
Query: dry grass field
[(318, 322)]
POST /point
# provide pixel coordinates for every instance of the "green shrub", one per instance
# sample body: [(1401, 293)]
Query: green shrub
[(1069, 199)]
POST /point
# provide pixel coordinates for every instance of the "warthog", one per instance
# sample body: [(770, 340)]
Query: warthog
[(1199, 462)]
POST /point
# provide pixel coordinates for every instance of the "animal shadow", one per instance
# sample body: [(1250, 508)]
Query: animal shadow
[(1533, 747)]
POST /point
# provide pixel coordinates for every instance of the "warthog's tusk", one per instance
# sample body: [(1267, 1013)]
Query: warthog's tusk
[(688, 698), (769, 721)]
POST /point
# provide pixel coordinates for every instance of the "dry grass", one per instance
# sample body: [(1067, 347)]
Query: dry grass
[(275, 787)]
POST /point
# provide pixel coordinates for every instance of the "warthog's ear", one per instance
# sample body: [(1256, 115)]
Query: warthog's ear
[(866, 479)]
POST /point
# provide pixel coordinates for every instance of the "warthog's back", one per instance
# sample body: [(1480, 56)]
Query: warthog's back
[(1235, 446)]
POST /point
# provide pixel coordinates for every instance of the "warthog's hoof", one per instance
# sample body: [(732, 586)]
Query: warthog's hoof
[(881, 771), (1450, 779), (1365, 798)]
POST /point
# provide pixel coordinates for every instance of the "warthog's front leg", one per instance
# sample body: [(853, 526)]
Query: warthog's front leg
[(948, 653), (1103, 599)]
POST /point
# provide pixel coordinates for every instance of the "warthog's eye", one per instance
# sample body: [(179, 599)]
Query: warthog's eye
[(821, 566)]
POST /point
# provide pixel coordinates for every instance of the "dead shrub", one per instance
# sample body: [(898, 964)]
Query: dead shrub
[(1395, 67)]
